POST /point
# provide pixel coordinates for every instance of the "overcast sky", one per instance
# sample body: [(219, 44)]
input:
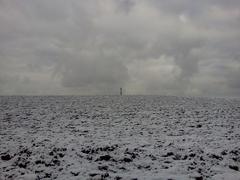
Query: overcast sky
[(84, 47)]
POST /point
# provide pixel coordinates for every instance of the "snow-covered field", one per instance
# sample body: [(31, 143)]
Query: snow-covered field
[(113, 137)]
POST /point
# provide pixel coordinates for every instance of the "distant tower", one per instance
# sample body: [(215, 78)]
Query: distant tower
[(121, 92)]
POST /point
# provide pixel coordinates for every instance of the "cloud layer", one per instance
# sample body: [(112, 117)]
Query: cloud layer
[(178, 47)]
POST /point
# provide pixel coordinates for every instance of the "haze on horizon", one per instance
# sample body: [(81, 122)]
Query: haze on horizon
[(78, 47)]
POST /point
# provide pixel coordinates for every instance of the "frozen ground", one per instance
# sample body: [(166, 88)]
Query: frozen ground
[(112, 137)]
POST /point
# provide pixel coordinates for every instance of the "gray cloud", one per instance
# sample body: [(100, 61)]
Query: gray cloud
[(179, 47)]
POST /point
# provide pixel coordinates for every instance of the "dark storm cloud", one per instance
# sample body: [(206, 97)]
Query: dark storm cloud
[(178, 47)]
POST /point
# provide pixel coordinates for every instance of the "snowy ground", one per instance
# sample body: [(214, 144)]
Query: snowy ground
[(113, 137)]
